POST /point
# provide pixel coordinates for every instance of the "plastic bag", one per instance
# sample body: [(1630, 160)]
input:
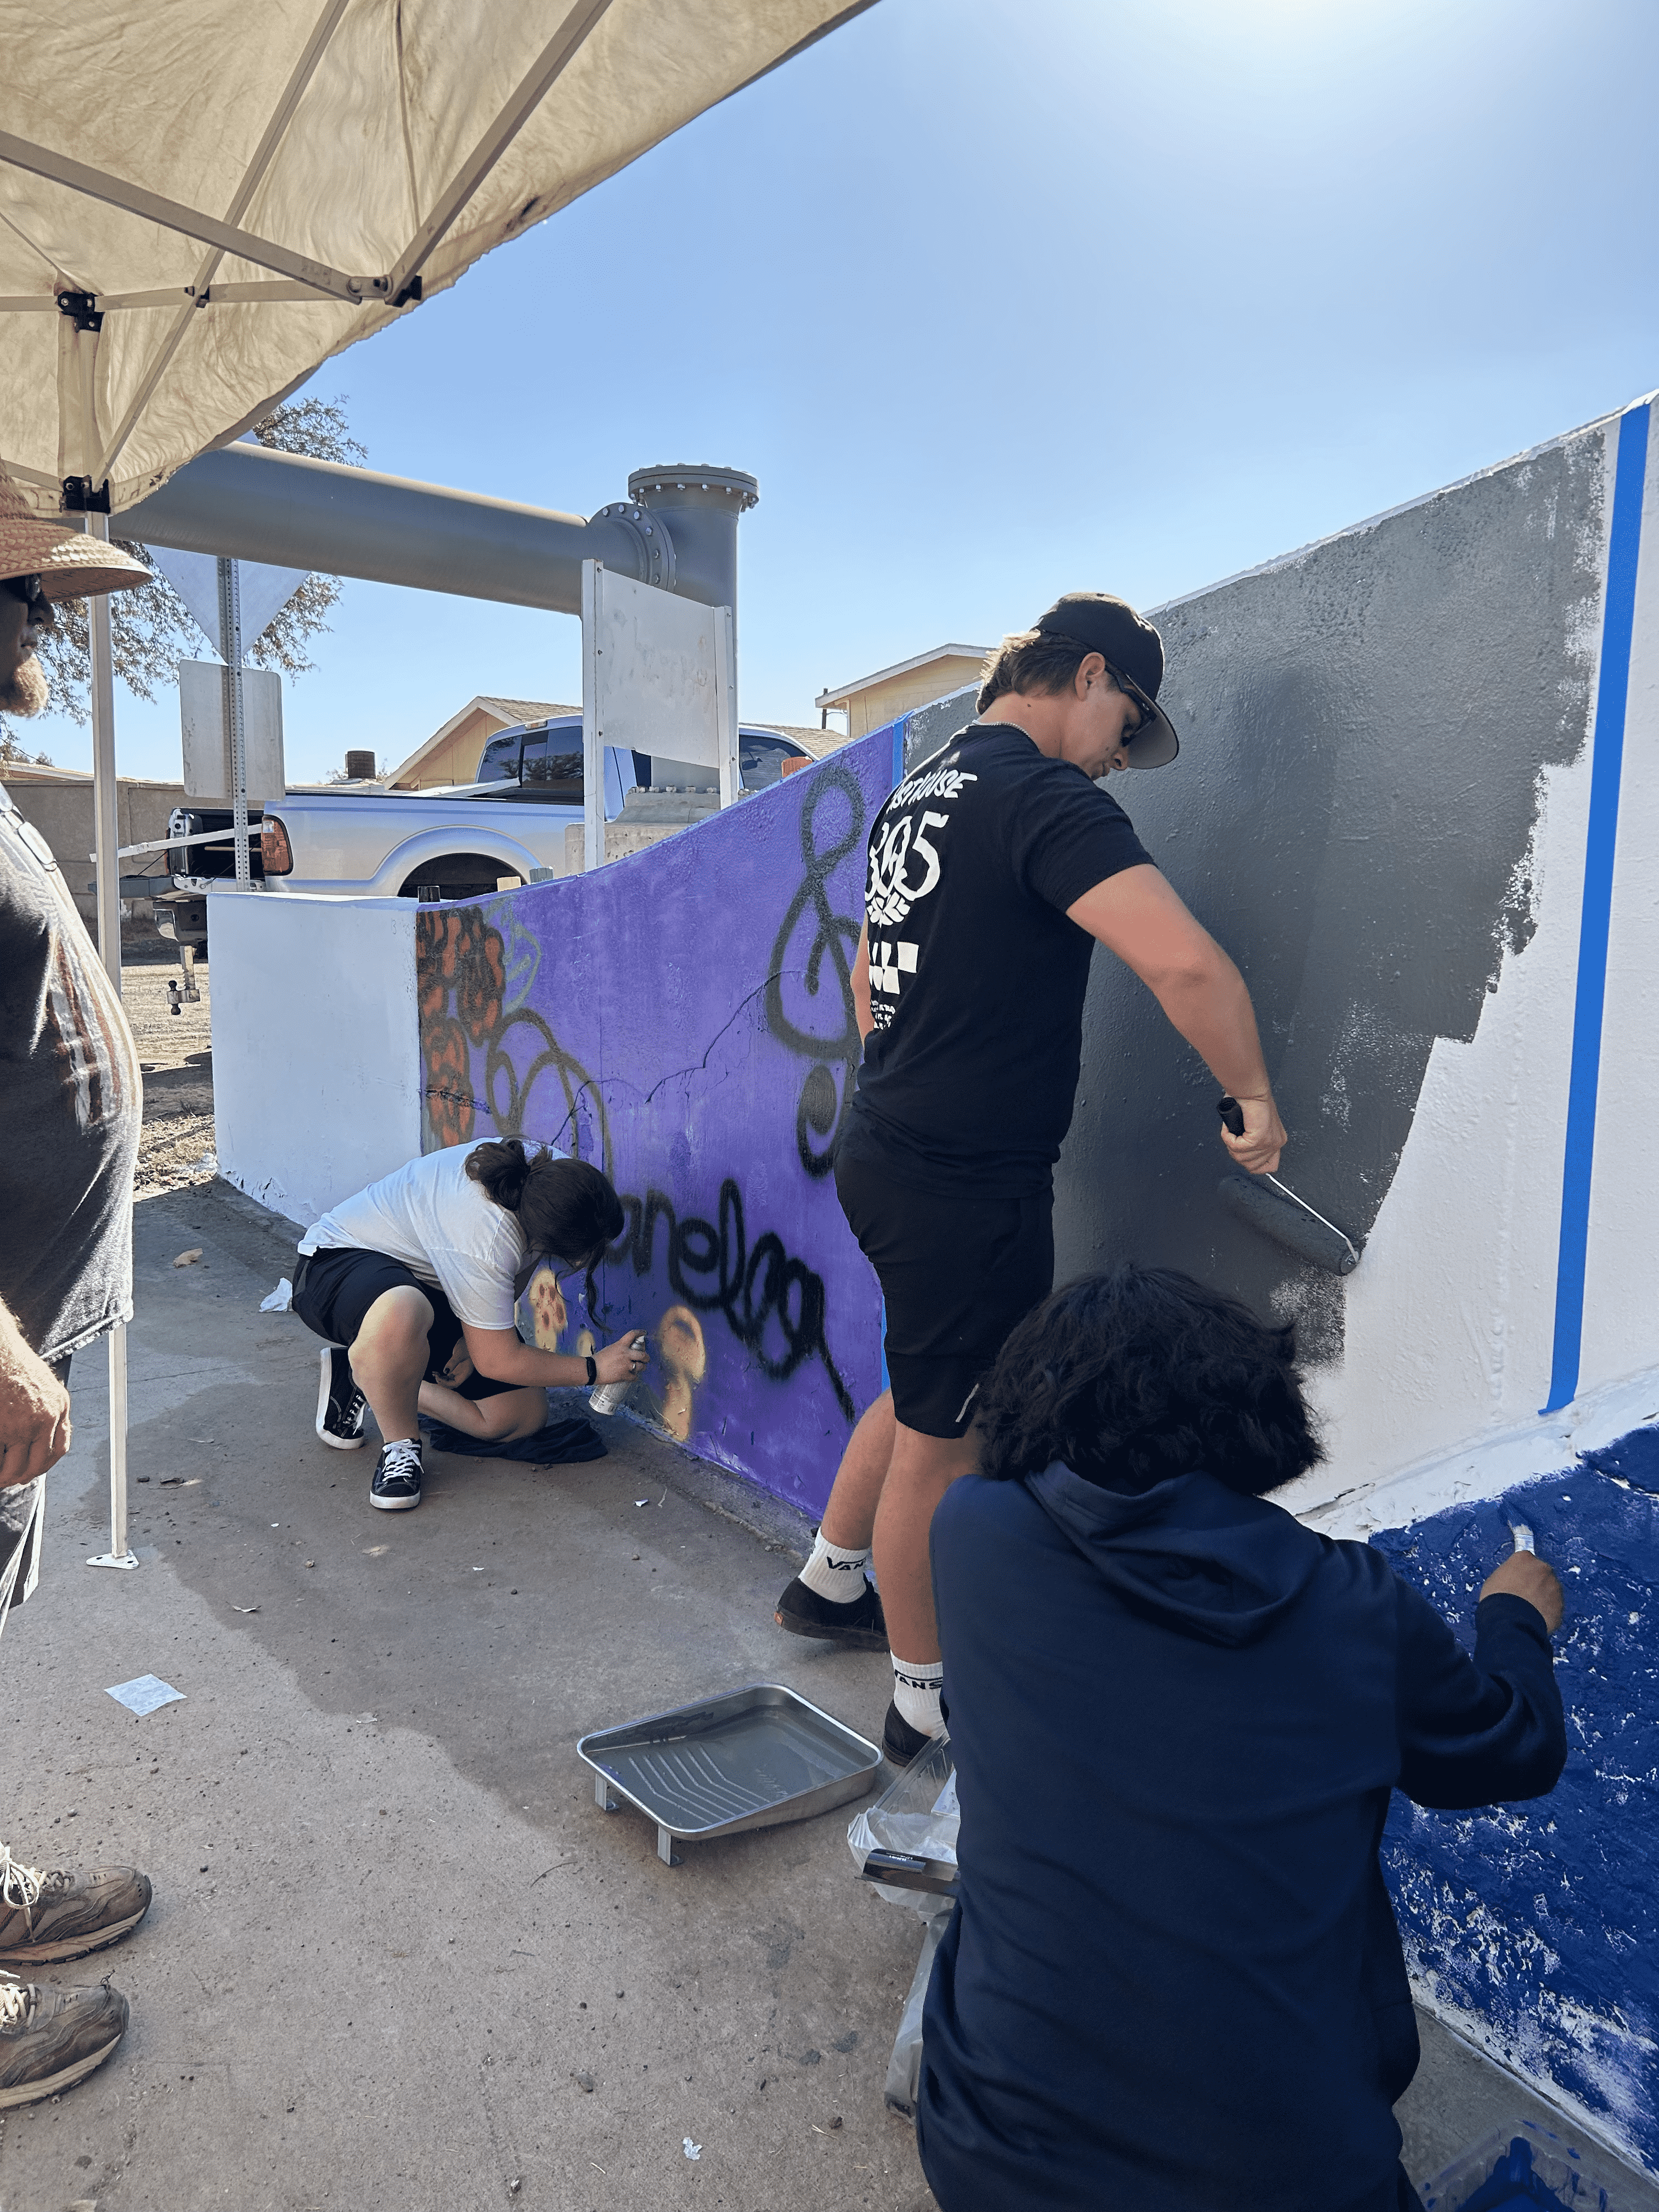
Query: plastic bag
[(917, 1814)]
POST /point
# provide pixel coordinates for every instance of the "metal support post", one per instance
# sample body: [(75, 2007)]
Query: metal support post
[(106, 827), (726, 691), (230, 641), (108, 840), (593, 734)]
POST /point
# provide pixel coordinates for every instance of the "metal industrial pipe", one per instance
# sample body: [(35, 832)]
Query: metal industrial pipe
[(244, 502)]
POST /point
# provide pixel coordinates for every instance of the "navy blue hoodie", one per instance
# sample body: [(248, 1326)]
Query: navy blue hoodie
[(1173, 1981)]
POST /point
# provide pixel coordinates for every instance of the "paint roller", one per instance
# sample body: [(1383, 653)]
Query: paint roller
[(1264, 1204)]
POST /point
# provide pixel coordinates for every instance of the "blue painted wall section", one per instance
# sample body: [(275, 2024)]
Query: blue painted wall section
[(1543, 1919)]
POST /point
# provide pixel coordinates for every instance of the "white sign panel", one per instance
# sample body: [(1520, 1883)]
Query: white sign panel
[(659, 675), (207, 733), (264, 591)]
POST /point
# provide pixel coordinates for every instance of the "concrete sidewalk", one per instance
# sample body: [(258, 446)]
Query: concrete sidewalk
[(391, 1926)]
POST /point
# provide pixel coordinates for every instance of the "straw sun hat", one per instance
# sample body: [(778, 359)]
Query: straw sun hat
[(69, 563)]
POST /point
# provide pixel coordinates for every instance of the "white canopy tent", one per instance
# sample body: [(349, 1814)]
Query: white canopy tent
[(201, 202)]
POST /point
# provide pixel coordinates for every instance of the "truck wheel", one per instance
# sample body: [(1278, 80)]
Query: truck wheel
[(454, 876)]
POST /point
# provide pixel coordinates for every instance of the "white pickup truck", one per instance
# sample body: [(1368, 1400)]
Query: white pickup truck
[(454, 841)]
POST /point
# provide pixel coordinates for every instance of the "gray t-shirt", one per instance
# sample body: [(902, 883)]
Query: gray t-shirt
[(73, 1099)]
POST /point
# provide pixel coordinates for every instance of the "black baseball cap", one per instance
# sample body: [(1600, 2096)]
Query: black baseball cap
[(1133, 650)]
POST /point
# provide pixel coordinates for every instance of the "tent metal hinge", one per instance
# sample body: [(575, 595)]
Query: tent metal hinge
[(82, 308), (81, 496), (412, 290)]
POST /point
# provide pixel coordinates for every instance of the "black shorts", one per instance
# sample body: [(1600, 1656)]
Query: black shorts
[(957, 1274), (334, 1289)]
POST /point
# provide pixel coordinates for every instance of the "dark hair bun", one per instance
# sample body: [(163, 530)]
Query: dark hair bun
[(503, 1171)]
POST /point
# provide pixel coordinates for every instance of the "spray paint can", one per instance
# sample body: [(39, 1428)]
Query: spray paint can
[(609, 1395)]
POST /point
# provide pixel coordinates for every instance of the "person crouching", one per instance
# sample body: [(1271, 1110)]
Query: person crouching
[(413, 1283), (1174, 1979)]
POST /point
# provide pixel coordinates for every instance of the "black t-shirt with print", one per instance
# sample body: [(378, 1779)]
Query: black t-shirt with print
[(976, 977)]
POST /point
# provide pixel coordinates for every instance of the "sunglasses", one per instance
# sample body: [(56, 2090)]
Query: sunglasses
[(1143, 711)]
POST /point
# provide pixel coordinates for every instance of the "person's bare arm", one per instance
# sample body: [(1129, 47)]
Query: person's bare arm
[(504, 1357), (1136, 914), (34, 1409), (1525, 1575), (861, 983)]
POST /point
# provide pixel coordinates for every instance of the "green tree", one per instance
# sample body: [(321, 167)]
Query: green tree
[(151, 630)]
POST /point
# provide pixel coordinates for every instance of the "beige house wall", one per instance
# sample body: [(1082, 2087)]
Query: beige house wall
[(59, 805), (869, 710), (455, 760)]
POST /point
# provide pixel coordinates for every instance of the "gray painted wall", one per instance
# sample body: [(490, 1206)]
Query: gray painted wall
[(1362, 729)]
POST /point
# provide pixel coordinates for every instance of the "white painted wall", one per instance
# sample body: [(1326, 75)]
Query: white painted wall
[(316, 1045), (1451, 1313)]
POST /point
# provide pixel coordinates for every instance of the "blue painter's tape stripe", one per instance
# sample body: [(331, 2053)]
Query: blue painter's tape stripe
[(886, 1379), (901, 731), (1618, 627)]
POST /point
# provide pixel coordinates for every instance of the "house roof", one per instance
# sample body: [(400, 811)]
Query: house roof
[(505, 713), (840, 696)]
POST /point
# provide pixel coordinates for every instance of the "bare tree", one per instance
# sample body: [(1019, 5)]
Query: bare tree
[(151, 630)]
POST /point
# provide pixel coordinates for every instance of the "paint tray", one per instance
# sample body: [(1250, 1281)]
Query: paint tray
[(1527, 2168), (749, 1759)]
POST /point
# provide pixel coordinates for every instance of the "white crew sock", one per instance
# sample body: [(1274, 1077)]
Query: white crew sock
[(916, 1693), (834, 1572)]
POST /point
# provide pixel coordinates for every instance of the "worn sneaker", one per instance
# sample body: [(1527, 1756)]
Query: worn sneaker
[(397, 1485), (51, 2039), (857, 1624), (61, 1914), (341, 1406)]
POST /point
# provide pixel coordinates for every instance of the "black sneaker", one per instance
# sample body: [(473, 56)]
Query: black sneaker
[(341, 1406), (899, 1741), (857, 1624), (397, 1485)]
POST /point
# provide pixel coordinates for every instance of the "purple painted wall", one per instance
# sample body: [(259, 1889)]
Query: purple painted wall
[(683, 1019), (1538, 1925)]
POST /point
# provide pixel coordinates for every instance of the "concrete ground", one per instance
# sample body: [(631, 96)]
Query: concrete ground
[(391, 1927), (393, 1937)]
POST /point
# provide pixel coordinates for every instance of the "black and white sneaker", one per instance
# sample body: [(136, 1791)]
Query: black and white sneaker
[(397, 1485), (341, 1406), (856, 1624)]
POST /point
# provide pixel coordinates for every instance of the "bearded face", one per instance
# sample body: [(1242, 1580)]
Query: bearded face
[(24, 690), (23, 687)]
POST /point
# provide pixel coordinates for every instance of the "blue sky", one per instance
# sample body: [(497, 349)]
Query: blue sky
[(1001, 298)]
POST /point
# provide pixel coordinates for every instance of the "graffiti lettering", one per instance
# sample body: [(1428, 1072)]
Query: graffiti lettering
[(836, 1044), (774, 1305), (711, 1266)]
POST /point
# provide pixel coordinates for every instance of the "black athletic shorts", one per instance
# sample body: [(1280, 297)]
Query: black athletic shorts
[(334, 1289), (957, 1273)]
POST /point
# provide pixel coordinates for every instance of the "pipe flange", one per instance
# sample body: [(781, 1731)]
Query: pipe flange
[(663, 481), (650, 535)]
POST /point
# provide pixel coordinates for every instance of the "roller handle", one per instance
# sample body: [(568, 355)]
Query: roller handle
[(1232, 1112)]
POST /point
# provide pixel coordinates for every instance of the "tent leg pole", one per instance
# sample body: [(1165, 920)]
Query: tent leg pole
[(107, 840), (117, 1441), (104, 801)]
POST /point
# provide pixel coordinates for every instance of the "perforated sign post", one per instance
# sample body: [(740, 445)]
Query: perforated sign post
[(659, 675)]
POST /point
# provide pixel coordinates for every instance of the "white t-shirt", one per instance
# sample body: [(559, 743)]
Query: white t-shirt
[(443, 1226)]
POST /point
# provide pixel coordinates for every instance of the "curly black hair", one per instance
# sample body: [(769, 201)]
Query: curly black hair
[(1140, 1374)]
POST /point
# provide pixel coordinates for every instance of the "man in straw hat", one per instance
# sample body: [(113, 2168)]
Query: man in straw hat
[(994, 869), (72, 1100)]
